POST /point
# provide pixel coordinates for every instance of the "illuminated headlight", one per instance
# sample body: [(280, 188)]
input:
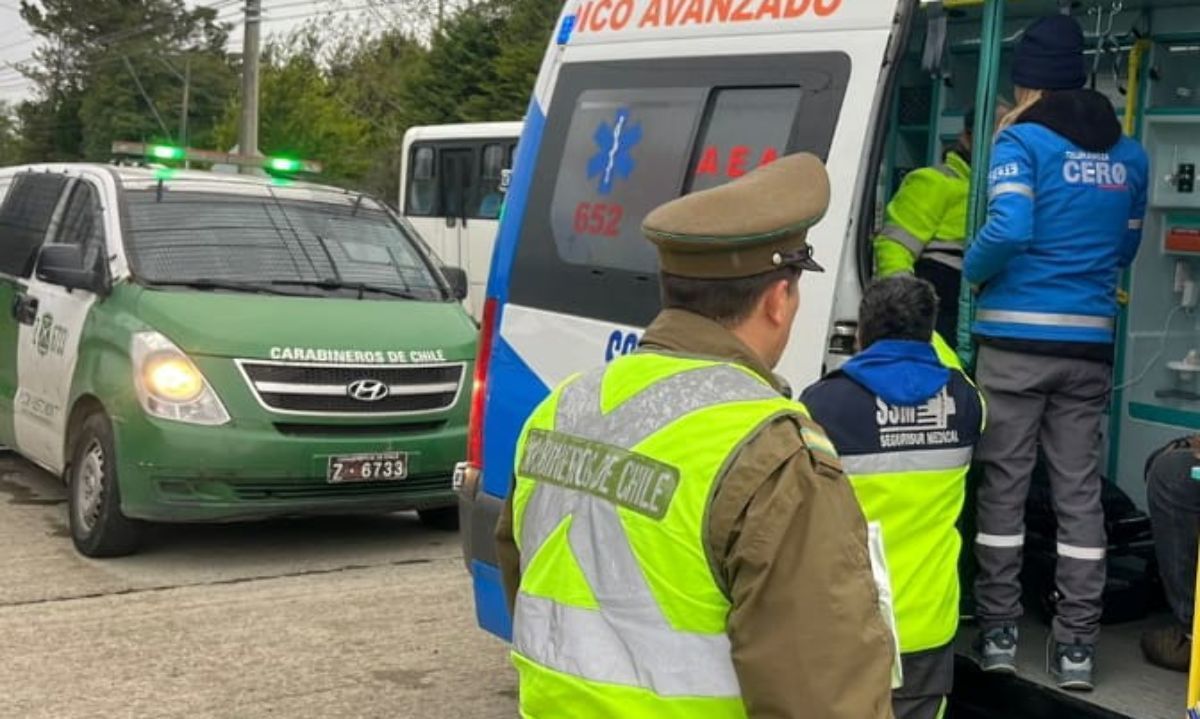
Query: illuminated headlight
[(169, 385)]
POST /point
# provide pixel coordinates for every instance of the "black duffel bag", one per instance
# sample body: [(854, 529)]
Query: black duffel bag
[(1134, 588)]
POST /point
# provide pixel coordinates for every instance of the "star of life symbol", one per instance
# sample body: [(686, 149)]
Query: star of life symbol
[(613, 158), (927, 424)]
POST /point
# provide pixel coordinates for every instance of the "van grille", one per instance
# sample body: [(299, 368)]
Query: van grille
[(296, 429), (331, 389), (251, 491)]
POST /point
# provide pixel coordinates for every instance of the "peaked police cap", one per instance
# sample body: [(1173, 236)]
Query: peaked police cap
[(750, 226)]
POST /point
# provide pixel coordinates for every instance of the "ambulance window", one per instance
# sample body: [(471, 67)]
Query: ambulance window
[(25, 218), (82, 223), (492, 162), (422, 185), (621, 137), (745, 128), (627, 151)]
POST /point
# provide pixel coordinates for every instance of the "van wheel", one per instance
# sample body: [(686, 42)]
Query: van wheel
[(93, 496), (444, 519)]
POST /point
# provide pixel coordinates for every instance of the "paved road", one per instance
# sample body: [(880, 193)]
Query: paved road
[(347, 617)]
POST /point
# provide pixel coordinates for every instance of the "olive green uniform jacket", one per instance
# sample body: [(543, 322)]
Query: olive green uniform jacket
[(788, 541)]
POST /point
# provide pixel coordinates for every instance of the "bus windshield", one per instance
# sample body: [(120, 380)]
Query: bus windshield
[(266, 243)]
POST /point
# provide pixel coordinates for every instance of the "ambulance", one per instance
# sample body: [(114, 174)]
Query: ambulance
[(186, 346), (640, 101)]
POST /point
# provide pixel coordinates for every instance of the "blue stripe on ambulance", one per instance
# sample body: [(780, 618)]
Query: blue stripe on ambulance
[(513, 388)]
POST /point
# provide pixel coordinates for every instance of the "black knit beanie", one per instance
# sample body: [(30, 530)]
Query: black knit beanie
[(1050, 55)]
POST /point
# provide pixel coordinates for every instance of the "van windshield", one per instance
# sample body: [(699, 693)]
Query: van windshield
[(270, 242)]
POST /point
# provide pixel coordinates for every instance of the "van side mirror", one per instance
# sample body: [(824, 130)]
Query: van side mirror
[(459, 284), (65, 265)]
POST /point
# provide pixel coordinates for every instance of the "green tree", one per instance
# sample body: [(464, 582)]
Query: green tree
[(300, 114), (10, 140), (371, 76), (112, 69), (523, 45), (451, 84)]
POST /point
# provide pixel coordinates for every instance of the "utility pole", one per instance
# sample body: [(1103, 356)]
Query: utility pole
[(187, 97), (248, 134)]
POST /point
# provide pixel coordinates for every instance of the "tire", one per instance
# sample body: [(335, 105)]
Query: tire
[(443, 519), (93, 493)]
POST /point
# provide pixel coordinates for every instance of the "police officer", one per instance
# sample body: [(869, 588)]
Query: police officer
[(905, 427), (1066, 197), (925, 226), (681, 541)]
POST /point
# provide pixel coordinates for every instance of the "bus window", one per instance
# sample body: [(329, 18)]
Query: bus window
[(422, 186), (746, 128), (492, 160), (456, 182)]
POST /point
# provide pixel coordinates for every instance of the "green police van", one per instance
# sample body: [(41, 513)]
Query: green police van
[(189, 347)]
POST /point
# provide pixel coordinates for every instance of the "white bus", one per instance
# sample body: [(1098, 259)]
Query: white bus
[(450, 190)]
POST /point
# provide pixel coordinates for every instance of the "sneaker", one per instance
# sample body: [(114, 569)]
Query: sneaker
[(996, 649), (1071, 666), (1169, 648)]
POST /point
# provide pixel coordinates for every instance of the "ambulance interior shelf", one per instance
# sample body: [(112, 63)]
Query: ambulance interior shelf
[(1163, 338), (928, 109)]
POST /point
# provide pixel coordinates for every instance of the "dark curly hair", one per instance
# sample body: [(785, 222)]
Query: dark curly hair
[(900, 307)]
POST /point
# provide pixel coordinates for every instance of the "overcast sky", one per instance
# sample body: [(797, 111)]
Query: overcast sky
[(279, 16)]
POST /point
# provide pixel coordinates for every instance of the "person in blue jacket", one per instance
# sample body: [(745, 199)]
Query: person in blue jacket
[(1067, 192)]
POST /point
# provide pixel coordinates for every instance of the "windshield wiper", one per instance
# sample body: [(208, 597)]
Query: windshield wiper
[(362, 287), (208, 283)]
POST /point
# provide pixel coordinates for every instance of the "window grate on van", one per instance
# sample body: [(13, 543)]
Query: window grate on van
[(353, 390)]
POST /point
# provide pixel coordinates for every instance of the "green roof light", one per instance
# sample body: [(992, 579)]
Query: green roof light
[(285, 164), (165, 152)]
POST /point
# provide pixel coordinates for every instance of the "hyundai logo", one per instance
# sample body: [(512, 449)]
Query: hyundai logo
[(368, 390)]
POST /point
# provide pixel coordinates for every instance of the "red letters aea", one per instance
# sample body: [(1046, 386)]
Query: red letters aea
[(739, 160)]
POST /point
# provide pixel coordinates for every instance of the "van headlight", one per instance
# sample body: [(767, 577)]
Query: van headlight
[(169, 385)]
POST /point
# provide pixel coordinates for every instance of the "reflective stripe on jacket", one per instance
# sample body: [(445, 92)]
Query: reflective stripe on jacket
[(908, 466), (1062, 223), (619, 612), (927, 219)]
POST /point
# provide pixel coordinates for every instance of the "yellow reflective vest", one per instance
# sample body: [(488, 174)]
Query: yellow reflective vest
[(908, 467), (618, 613), (927, 218)]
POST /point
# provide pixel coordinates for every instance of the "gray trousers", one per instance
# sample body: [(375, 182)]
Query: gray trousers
[(928, 680), (1057, 403), (1174, 499)]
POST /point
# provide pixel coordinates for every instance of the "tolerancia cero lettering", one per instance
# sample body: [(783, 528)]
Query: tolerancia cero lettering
[(617, 15)]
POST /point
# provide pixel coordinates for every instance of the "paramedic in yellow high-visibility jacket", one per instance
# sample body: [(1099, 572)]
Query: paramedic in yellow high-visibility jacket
[(925, 227)]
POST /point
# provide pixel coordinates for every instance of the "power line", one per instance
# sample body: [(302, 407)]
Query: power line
[(126, 33), (318, 13), (26, 41), (145, 96)]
